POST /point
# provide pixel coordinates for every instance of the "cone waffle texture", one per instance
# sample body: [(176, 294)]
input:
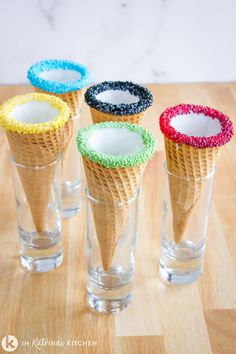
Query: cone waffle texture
[(99, 117), (74, 100), (113, 188), (112, 182), (192, 165), (39, 150), (191, 158)]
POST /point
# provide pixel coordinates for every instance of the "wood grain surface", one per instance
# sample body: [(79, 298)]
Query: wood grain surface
[(194, 319)]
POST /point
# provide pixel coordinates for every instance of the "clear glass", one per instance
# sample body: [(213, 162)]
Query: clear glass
[(110, 291), (185, 212), (71, 176), (39, 218)]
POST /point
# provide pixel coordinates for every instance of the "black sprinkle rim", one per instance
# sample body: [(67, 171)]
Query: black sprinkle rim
[(145, 98)]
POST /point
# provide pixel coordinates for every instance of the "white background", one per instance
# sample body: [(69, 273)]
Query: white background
[(139, 40)]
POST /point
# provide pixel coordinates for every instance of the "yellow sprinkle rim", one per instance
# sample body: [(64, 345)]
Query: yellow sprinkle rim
[(11, 124)]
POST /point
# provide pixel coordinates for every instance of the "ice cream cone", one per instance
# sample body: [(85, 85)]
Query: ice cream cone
[(64, 79), (111, 187), (121, 101), (114, 156), (194, 137), (34, 125), (191, 163)]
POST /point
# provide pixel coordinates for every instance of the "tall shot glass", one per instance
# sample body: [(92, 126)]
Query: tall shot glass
[(40, 250), (110, 291), (71, 175), (182, 260)]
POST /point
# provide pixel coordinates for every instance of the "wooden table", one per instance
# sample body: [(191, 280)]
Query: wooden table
[(195, 319)]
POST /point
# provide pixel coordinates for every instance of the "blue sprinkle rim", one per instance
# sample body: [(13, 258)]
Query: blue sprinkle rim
[(145, 98), (54, 86)]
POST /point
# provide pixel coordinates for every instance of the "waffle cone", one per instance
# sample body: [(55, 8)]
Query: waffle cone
[(98, 117), (110, 187), (186, 161), (35, 150)]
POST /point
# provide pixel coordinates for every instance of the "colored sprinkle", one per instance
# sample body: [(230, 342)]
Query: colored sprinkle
[(220, 139), (144, 95), (11, 124), (111, 161), (55, 86)]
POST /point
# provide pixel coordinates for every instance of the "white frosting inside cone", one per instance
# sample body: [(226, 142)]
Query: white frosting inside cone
[(60, 75), (34, 112), (117, 97), (196, 124), (116, 141)]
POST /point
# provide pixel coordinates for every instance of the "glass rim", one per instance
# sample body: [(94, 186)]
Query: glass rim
[(36, 167), (119, 204), (189, 178)]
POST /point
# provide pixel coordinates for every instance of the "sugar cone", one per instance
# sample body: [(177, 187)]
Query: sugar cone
[(114, 155), (37, 185), (98, 117), (192, 163), (118, 101), (36, 145), (110, 187), (35, 150), (194, 136), (65, 79)]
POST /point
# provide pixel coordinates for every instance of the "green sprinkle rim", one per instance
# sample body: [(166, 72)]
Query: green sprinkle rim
[(109, 161)]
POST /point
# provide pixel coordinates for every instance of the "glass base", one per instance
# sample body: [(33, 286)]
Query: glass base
[(171, 276), (41, 265), (108, 306), (181, 263), (71, 199), (41, 252), (109, 292)]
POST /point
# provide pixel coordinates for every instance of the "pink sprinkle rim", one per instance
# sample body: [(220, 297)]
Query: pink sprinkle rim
[(227, 129)]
